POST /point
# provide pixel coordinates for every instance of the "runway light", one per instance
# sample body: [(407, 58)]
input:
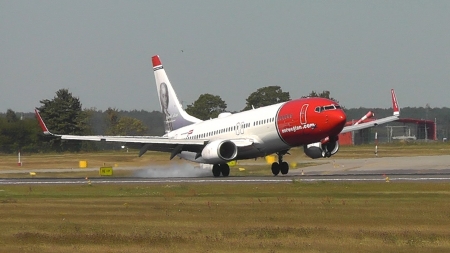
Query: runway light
[(270, 159), (83, 164), (232, 163)]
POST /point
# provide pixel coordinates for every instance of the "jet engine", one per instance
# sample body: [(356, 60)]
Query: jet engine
[(219, 151), (325, 148)]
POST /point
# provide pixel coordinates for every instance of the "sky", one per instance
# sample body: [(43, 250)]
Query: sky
[(101, 51)]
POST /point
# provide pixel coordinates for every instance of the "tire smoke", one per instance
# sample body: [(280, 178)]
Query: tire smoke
[(173, 170)]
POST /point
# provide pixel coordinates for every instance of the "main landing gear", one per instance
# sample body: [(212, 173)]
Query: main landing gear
[(280, 166), (221, 168)]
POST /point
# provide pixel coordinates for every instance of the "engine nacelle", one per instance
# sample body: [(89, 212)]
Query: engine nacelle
[(319, 150), (219, 151)]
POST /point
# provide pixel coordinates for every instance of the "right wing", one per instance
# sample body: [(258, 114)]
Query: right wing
[(394, 117)]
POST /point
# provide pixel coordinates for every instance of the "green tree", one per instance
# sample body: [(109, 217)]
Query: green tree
[(11, 116), (18, 135), (207, 106), (111, 118), (90, 126), (266, 96), (64, 115), (323, 94), (127, 126)]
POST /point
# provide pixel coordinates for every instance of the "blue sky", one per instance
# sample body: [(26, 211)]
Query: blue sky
[(101, 51)]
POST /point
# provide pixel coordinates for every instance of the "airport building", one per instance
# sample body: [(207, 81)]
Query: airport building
[(400, 130)]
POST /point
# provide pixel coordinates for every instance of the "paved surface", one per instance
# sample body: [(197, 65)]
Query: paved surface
[(424, 168), (233, 180), (384, 165)]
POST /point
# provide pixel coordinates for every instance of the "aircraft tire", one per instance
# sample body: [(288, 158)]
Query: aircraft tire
[(275, 168), (225, 169), (216, 170), (284, 168)]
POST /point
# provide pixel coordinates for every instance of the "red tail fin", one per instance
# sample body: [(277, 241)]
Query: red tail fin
[(394, 103)]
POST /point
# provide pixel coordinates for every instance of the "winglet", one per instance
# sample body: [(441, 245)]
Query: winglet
[(41, 122), (395, 104), (370, 114)]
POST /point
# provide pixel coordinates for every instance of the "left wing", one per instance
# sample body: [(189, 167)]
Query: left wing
[(157, 143), (154, 143), (394, 117)]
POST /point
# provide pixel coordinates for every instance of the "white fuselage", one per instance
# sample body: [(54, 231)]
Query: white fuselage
[(257, 124)]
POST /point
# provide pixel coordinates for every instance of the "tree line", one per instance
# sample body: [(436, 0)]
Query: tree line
[(64, 115)]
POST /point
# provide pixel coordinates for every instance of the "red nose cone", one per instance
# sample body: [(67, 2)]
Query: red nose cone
[(337, 120)]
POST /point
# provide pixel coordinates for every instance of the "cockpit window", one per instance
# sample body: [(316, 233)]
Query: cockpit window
[(327, 108)]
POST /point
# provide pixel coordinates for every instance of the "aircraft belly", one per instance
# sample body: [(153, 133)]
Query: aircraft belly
[(269, 146), (261, 149), (190, 156)]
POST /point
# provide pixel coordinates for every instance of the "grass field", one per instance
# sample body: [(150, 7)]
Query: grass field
[(277, 217), (287, 217)]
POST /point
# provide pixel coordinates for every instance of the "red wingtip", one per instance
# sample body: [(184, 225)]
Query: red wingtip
[(395, 103), (41, 122), (156, 61)]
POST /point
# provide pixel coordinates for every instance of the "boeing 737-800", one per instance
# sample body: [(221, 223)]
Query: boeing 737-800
[(312, 122)]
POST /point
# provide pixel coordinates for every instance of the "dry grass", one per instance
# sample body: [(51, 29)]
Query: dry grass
[(395, 149), (290, 217), (293, 217), (72, 160)]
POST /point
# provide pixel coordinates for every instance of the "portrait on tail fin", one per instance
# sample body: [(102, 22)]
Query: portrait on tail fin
[(174, 115), (164, 99)]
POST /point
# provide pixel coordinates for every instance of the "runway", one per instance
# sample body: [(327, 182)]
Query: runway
[(440, 177), (390, 169)]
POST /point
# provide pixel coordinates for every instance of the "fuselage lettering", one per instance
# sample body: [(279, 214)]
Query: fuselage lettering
[(298, 128)]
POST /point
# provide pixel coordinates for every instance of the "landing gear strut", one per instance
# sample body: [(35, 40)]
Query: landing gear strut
[(222, 168), (280, 166)]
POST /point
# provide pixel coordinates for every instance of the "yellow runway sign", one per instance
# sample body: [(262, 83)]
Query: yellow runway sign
[(106, 171)]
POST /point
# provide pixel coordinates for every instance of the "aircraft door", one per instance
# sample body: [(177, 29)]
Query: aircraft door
[(303, 119), (240, 128)]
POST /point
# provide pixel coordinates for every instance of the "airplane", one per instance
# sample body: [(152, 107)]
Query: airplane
[(311, 122)]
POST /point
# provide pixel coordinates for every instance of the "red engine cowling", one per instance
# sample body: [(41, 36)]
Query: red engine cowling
[(219, 151)]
